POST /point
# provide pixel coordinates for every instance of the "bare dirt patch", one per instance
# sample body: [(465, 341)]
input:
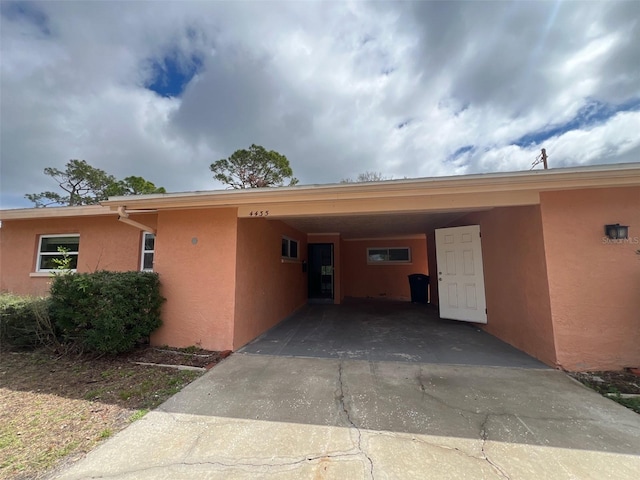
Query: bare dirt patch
[(191, 357), (55, 409)]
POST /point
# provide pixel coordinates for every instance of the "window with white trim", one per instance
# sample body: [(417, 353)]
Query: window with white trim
[(148, 250), (289, 248), (51, 247), (389, 255)]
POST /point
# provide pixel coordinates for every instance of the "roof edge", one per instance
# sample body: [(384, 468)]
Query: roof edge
[(593, 176), (625, 174), (55, 212)]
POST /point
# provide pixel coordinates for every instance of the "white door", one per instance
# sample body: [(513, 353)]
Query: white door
[(460, 274)]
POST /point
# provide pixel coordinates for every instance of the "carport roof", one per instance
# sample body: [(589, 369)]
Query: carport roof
[(436, 194)]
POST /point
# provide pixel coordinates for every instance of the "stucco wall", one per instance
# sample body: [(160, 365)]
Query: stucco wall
[(363, 280), (594, 285), (334, 239), (196, 259), (516, 289), (267, 288), (105, 244)]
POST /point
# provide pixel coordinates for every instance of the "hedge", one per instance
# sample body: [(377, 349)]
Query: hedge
[(24, 321), (105, 312)]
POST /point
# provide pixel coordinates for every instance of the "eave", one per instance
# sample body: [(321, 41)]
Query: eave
[(436, 193), (601, 176), (55, 212)]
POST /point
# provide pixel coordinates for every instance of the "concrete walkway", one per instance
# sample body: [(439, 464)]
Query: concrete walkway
[(275, 417)]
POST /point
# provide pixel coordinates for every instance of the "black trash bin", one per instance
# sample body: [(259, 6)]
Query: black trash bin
[(419, 284)]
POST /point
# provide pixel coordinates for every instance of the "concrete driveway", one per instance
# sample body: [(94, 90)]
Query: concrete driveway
[(278, 416), (386, 331)]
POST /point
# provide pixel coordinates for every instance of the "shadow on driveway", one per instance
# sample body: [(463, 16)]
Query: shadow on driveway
[(386, 331)]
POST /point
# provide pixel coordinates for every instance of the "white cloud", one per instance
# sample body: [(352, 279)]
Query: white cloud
[(615, 141), (327, 84)]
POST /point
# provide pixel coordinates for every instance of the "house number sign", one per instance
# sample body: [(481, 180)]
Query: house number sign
[(259, 213)]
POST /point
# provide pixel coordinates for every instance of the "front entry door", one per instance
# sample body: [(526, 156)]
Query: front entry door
[(321, 270), (460, 274)]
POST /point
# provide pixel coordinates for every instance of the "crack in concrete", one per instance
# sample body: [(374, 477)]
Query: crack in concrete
[(518, 416), (423, 389), (425, 442), (193, 445), (306, 459), (442, 402), (483, 437), (247, 465), (340, 397)]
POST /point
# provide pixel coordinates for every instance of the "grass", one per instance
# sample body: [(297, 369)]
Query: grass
[(54, 409), (138, 414), (613, 385), (193, 349), (632, 403)]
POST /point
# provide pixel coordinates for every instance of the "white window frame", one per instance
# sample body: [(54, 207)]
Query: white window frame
[(388, 262), (143, 251), (288, 255), (51, 254)]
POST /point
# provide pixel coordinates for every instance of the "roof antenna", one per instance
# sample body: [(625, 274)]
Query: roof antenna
[(542, 158)]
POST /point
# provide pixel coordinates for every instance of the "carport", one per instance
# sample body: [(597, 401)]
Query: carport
[(378, 330), (377, 322)]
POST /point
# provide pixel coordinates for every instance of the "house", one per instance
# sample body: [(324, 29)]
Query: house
[(525, 255)]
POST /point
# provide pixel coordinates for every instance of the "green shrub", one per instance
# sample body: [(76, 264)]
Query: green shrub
[(24, 321), (106, 312)]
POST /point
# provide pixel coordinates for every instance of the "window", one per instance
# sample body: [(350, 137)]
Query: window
[(289, 248), (50, 249), (389, 255), (148, 249)]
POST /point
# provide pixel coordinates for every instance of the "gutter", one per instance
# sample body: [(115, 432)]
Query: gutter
[(123, 216)]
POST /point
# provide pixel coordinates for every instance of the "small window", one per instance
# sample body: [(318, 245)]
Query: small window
[(289, 248), (389, 255), (50, 251), (148, 250)]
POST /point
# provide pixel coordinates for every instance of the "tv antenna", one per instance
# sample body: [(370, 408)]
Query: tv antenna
[(542, 158)]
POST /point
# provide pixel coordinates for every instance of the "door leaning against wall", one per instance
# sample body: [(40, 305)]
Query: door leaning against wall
[(461, 274)]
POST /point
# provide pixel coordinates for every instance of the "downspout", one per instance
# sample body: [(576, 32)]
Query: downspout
[(123, 216)]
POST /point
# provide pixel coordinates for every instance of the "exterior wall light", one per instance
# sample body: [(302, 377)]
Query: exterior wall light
[(616, 231)]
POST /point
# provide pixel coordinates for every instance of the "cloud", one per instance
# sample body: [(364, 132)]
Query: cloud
[(610, 142), (404, 88)]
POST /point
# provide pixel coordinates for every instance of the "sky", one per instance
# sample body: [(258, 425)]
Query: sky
[(408, 89)]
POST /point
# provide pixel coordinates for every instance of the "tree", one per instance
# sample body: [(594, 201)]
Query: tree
[(87, 185), (253, 168), (83, 184), (367, 177), (136, 186)]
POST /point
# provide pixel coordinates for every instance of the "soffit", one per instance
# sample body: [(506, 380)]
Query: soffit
[(374, 226)]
